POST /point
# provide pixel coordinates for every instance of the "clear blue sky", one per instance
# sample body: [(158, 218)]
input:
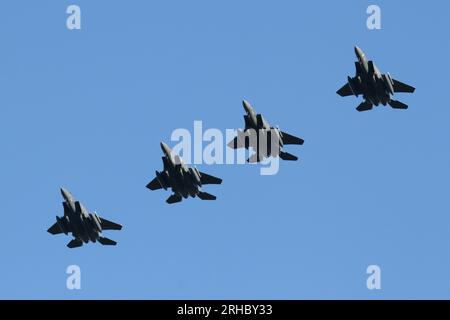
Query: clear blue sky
[(87, 109)]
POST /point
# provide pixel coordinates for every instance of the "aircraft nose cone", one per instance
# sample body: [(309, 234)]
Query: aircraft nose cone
[(165, 148), (65, 193), (247, 106), (359, 53)]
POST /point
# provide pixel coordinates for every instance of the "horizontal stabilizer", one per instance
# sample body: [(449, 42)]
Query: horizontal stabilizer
[(287, 156), (364, 106), (290, 139), (174, 199), (106, 242), (397, 104), (206, 196), (75, 243), (402, 87), (208, 179), (109, 225)]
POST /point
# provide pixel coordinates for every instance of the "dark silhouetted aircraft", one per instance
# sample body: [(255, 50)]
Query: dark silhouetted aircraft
[(265, 140), (185, 181), (83, 225), (374, 86)]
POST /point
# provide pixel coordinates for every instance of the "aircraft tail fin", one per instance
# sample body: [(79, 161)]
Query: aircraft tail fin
[(106, 242), (206, 196)]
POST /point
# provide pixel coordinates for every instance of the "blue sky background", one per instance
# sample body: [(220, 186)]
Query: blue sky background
[(87, 109)]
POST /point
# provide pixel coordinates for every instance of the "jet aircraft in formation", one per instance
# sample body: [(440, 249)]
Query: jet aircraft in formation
[(183, 180), (374, 86), (264, 140), (83, 225)]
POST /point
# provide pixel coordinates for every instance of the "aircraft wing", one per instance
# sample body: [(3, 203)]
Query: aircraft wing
[(402, 87), (55, 229), (109, 225), (166, 163), (154, 184), (66, 208), (289, 139), (207, 179), (345, 91), (238, 141), (234, 144)]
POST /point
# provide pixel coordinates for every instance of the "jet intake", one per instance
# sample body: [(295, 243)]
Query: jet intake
[(161, 180), (279, 137), (389, 83), (253, 120), (352, 86), (96, 222), (196, 176), (62, 225), (261, 122)]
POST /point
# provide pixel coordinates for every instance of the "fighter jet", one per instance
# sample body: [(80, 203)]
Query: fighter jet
[(375, 87), (184, 181), (257, 130), (83, 225)]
